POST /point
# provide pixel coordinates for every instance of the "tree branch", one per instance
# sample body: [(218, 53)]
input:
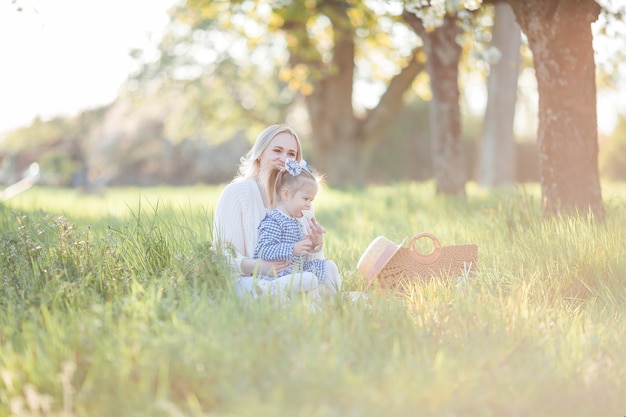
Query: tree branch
[(391, 100)]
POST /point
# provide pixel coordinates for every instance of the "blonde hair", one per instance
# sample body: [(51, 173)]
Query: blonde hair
[(249, 164), (279, 178)]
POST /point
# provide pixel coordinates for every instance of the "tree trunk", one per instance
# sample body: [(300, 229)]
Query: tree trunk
[(560, 38), (346, 163), (497, 150), (333, 125), (343, 143), (443, 56)]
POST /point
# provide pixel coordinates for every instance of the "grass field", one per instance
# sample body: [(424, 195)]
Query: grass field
[(117, 305)]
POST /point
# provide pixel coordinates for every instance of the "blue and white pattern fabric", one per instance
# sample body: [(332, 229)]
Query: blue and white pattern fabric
[(295, 168), (278, 234)]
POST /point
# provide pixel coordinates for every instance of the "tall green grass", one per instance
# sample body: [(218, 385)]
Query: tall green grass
[(118, 305)]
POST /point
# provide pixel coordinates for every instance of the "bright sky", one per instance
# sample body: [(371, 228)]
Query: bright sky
[(59, 57)]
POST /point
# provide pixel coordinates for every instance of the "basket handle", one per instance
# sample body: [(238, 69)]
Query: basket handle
[(425, 258)]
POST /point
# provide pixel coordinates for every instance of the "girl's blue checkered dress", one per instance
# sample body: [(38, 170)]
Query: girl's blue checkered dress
[(278, 233)]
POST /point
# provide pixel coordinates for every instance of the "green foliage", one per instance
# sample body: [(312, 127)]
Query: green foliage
[(612, 157), (59, 165), (257, 61), (216, 73), (42, 135), (39, 134), (133, 314)]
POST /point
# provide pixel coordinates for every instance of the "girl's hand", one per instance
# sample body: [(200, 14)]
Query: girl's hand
[(303, 247)]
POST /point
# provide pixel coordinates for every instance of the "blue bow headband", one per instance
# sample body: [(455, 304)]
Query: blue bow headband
[(295, 168)]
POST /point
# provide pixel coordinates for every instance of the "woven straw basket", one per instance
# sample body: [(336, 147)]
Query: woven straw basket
[(408, 264)]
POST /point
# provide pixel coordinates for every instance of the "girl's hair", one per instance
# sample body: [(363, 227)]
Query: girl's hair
[(249, 164), (279, 178)]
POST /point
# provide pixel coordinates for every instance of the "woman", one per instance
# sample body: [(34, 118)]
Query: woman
[(244, 203)]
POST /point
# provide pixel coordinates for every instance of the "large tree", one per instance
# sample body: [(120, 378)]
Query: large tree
[(343, 141), (560, 37), (443, 53), (497, 148)]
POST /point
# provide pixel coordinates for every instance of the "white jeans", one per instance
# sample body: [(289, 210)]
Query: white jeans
[(289, 285), (332, 282)]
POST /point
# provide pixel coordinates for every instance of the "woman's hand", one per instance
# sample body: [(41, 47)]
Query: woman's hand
[(316, 231), (270, 268)]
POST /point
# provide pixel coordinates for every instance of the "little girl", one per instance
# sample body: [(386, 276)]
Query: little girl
[(281, 236)]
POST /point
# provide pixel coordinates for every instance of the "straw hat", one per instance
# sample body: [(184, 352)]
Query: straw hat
[(376, 257)]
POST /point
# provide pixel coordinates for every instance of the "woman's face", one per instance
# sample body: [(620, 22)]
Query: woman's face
[(281, 147)]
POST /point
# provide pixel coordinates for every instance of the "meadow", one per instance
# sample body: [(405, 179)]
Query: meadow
[(117, 305)]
